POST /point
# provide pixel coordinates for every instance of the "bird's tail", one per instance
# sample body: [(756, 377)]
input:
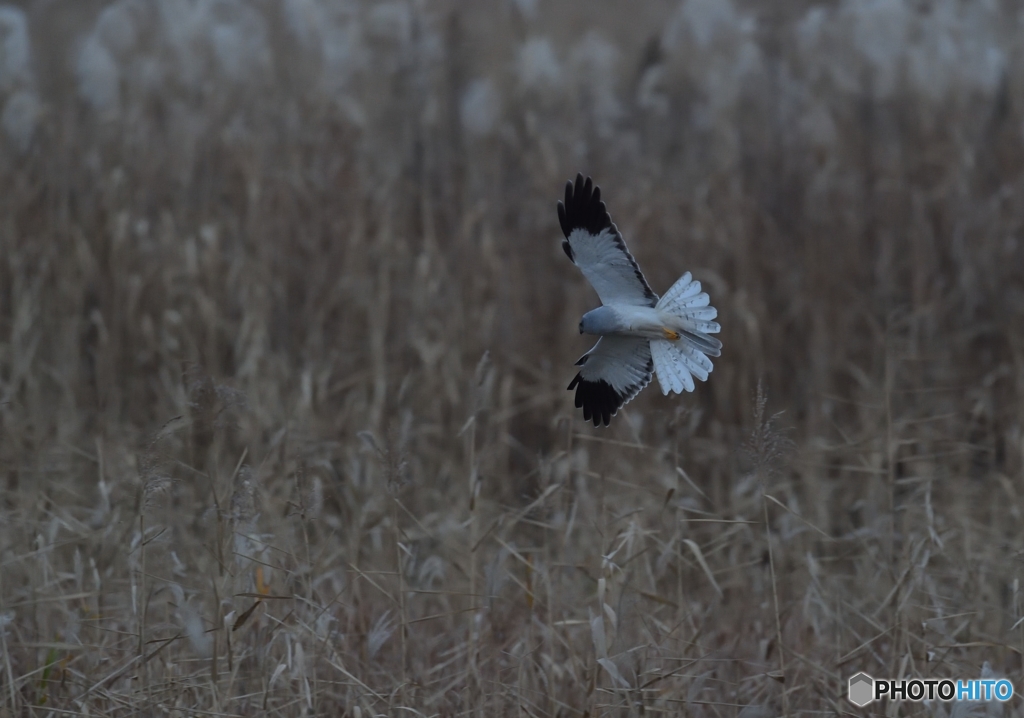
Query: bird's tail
[(686, 310)]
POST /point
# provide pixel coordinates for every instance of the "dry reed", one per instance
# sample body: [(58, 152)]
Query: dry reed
[(251, 255)]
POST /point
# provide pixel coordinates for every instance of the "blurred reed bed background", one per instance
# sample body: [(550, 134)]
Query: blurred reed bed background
[(285, 329)]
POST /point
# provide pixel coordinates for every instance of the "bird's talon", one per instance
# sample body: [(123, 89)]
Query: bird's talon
[(669, 334)]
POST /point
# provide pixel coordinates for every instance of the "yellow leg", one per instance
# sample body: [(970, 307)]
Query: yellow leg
[(669, 334)]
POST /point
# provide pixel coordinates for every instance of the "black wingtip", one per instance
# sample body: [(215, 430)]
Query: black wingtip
[(598, 400), (566, 228), (567, 248), (582, 208)]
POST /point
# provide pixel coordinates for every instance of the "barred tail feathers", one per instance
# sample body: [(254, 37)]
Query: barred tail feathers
[(684, 288), (688, 309), (673, 376)]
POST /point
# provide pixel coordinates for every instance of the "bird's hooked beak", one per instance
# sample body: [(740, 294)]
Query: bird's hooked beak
[(581, 326)]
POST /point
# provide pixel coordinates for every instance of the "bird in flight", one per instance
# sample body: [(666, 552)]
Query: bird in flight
[(640, 334)]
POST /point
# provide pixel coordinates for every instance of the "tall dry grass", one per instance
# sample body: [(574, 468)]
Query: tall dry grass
[(285, 329)]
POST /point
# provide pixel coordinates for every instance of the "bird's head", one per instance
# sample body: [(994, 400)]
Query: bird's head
[(602, 320)]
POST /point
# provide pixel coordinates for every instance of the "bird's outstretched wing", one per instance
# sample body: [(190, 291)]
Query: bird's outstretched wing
[(593, 243), (612, 372)]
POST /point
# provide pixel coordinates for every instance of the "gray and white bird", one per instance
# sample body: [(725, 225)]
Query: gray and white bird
[(640, 334)]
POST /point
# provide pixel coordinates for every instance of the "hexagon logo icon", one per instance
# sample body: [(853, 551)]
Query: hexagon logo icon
[(862, 688)]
